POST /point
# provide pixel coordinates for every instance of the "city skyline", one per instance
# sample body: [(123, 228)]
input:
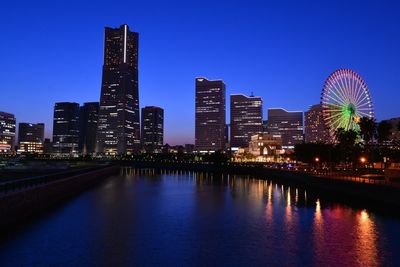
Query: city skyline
[(197, 133), (271, 68)]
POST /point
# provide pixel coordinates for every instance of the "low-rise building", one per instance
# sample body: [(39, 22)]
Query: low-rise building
[(266, 145), (189, 148)]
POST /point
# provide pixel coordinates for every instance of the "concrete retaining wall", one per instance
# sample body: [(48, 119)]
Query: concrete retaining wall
[(17, 206)]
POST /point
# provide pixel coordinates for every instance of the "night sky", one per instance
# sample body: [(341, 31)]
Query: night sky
[(281, 50)]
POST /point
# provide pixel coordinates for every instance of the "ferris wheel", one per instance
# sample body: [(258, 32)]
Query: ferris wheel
[(345, 100)]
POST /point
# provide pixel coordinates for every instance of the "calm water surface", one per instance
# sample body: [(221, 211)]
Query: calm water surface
[(141, 218)]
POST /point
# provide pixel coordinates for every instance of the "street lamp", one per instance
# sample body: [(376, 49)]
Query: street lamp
[(316, 162), (363, 160)]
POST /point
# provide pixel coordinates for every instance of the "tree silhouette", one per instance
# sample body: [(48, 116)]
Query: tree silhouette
[(367, 129), (307, 152), (383, 131), (346, 139), (347, 144)]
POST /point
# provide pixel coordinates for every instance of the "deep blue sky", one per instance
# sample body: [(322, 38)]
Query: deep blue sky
[(281, 50)]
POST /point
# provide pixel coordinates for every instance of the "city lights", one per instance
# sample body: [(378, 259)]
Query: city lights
[(231, 133)]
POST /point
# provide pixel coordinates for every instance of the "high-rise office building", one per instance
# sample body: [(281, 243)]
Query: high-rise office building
[(66, 128), (210, 115), (265, 126), (315, 130), (118, 130), (30, 138), (152, 128), (88, 118), (227, 134), (246, 119), (47, 146), (287, 124), (7, 132)]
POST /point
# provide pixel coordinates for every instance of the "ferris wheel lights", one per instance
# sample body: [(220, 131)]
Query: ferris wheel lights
[(345, 99)]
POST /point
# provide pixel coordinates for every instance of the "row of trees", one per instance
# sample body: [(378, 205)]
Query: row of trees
[(370, 144), (369, 130)]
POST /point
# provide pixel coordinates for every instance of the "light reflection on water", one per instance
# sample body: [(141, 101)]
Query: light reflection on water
[(337, 231), (149, 217), (366, 240)]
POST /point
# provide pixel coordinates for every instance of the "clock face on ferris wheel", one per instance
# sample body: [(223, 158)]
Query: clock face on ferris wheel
[(345, 100)]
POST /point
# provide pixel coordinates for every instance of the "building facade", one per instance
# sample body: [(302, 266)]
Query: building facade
[(267, 146), (287, 124), (246, 119), (47, 146), (189, 148), (88, 118), (152, 129), (66, 128), (210, 121), (7, 132), (118, 130), (265, 126), (315, 130), (30, 138)]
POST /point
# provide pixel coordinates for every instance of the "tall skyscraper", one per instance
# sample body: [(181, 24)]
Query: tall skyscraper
[(152, 128), (66, 128), (246, 119), (88, 118), (315, 130), (287, 124), (7, 132), (30, 138), (118, 125), (210, 115)]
